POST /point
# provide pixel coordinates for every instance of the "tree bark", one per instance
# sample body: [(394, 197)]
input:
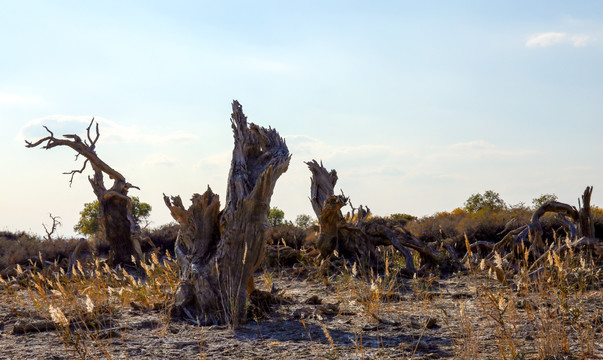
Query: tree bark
[(115, 216), (586, 224), (322, 185), (218, 251)]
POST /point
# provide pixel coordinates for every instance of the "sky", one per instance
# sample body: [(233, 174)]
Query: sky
[(416, 104)]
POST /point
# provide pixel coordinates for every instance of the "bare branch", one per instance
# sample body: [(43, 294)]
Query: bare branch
[(75, 137), (73, 172), (81, 148), (92, 142), (55, 223), (50, 132), (31, 145)]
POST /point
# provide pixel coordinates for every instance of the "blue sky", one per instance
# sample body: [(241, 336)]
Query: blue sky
[(417, 105)]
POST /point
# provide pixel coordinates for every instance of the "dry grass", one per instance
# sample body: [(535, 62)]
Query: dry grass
[(555, 316), (82, 306), (548, 317)]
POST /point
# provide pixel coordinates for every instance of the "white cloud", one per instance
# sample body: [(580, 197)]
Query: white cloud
[(159, 160), (6, 98), (580, 40), (546, 39), (110, 131), (478, 149), (477, 144), (555, 38), (312, 148)]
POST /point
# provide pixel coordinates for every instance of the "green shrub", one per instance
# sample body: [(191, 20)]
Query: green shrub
[(489, 200)]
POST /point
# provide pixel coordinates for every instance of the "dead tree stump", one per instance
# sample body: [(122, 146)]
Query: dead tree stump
[(218, 251)]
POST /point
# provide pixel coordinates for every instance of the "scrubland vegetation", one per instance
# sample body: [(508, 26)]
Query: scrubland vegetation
[(486, 281), (310, 309)]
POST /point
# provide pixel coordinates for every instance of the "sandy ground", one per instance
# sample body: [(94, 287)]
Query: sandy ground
[(318, 321)]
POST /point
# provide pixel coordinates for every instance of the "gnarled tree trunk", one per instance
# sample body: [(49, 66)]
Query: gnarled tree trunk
[(356, 236), (115, 216), (336, 233), (218, 251)]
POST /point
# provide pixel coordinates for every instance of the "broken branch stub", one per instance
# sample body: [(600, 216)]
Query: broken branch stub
[(218, 251), (322, 185)]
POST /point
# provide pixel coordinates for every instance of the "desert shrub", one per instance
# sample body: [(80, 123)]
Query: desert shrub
[(484, 224), (488, 225), (401, 216), (442, 225), (23, 249), (164, 237), (293, 236)]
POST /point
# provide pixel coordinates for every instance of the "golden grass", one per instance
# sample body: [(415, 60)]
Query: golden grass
[(82, 304), (543, 318)]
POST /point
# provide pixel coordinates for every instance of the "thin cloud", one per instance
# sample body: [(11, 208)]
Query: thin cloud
[(159, 160), (110, 130), (214, 162), (478, 144), (304, 145), (479, 149), (6, 98), (581, 40), (558, 38)]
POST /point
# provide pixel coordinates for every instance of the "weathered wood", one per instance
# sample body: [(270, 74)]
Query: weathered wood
[(114, 204), (356, 236), (330, 220), (586, 226), (322, 185), (336, 233), (579, 224), (218, 251), (535, 227), (387, 232), (531, 234)]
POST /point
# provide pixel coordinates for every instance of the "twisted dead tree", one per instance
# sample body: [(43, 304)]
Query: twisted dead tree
[(528, 239), (356, 236), (218, 251), (115, 206), (336, 232)]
